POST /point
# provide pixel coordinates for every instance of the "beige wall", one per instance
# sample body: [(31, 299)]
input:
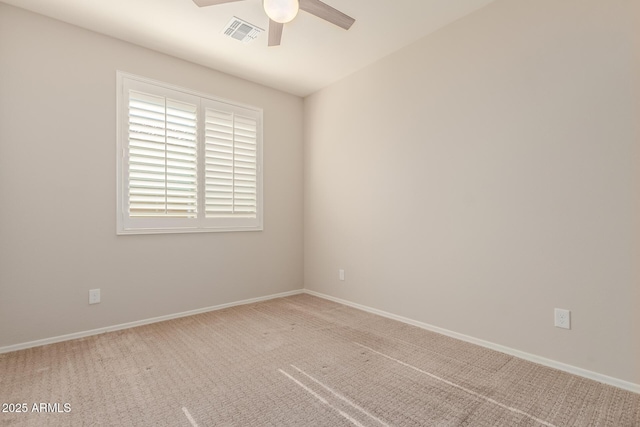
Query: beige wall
[(485, 175), (58, 182)]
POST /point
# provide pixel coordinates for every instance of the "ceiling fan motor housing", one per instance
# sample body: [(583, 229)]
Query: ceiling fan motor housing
[(281, 11)]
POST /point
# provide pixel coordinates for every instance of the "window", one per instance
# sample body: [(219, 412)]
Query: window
[(187, 162)]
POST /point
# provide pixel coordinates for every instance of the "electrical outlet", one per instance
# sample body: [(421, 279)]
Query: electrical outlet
[(562, 318), (341, 274), (94, 296)]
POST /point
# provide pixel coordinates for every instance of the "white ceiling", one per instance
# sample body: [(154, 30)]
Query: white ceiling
[(313, 54)]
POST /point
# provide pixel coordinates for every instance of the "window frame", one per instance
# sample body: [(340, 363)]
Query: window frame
[(125, 224)]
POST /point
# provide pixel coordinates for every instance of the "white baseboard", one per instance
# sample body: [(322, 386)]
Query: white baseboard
[(513, 352), (91, 332)]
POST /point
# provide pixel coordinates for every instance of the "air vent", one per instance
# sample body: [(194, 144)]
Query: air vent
[(241, 30)]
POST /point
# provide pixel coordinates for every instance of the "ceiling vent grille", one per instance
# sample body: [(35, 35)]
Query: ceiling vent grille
[(241, 30)]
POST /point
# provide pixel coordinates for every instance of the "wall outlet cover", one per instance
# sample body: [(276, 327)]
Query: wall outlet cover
[(94, 296), (562, 318)]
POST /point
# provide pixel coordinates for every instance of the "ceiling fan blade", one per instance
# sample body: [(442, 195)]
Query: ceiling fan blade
[(326, 12), (275, 33), (202, 3)]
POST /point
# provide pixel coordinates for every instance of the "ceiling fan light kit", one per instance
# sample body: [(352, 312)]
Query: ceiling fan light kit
[(281, 11)]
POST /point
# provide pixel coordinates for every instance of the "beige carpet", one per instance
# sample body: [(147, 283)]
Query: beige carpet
[(296, 361)]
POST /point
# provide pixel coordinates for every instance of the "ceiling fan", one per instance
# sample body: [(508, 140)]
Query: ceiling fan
[(282, 11)]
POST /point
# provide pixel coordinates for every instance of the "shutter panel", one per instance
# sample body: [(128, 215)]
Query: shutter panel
[(245, 167), (162, 157), (231, 165)]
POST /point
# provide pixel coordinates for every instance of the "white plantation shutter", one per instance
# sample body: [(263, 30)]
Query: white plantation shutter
[(231, 147), (163, 164), (187, 162)]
